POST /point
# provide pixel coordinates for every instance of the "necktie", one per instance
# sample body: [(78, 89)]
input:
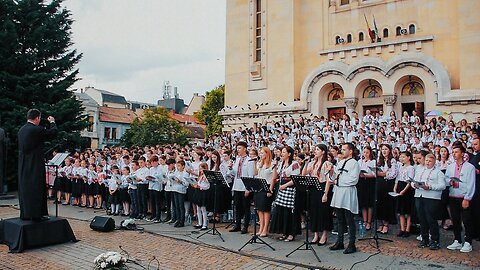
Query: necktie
[(240, 165)]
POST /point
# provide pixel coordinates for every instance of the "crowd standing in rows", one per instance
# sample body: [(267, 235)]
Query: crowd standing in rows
[(419, 171)]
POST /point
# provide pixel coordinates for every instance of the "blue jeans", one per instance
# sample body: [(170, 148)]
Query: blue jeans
[(179, 206), (134, 203)]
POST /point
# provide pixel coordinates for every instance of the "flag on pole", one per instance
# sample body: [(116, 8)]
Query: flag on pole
[(377, 35), (370, 32)]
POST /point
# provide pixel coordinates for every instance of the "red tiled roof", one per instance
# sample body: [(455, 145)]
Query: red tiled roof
[(183, 118), (117, 115)]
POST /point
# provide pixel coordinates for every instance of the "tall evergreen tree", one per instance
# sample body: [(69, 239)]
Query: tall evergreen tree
[(37, 66)]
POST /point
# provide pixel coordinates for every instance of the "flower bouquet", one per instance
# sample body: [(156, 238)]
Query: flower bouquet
[(110, 260)]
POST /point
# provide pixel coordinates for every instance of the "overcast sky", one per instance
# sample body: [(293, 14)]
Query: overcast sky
[(131, 47)]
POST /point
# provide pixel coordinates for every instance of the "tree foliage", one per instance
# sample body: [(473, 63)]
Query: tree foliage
[(155, 127), (37, 66), (208, 114)]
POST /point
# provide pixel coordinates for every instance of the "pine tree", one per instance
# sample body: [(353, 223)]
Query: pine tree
[(37, 67)]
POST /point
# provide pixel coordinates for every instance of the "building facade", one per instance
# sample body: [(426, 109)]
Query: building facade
[(304, 57)]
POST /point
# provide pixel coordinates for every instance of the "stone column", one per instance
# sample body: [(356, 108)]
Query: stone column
[(389, 102), (351, 104)]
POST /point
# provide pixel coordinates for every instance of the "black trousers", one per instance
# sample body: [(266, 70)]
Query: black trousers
[(427, 211), (458, 215), (168, 205), (142, 199), (242, 208), (345, 217), (155, 197)]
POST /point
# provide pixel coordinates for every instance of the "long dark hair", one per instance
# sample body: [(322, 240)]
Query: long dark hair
[(381, 159), (291, 152), (323, 158)]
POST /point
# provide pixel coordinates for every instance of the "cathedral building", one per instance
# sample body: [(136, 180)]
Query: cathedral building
[(333, 57)]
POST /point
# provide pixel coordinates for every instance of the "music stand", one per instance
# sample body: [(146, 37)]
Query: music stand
[(56, 161), (216, 179), (306, 183), (255, 185)]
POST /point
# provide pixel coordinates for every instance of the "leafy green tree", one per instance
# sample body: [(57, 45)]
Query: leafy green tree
[(208, 114), (37, 66), (155, 127)]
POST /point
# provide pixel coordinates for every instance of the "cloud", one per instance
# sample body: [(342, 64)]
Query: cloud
[(133, 46)]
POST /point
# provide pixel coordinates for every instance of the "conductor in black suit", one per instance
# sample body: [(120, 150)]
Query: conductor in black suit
[(32, 191)]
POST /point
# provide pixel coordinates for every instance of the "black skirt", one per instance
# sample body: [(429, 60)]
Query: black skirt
[(200, 197), (58, 185), (405, 202), (67, 185), (88, 189), (96, 189), (123, 195), (300, 200), (77, 188), (262, 201), (385, 202), (113, 199), (285, 221), (366, 192), (320, 213)]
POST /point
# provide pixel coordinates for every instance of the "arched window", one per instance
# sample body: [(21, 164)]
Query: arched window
[(361, 36), (397, 31), (349, 38), (344, 2), (412, 88), (411, 29), (372, 91), (385, 32), (337, 39), (335, 94)]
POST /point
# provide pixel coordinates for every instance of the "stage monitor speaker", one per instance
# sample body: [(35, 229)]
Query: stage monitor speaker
[(102, 224)]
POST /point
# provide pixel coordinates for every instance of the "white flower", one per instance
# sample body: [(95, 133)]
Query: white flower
[(103, 265)]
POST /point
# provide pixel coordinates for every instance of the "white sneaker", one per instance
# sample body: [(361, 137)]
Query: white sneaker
[(419, 238), (455, 246), (467, 247)]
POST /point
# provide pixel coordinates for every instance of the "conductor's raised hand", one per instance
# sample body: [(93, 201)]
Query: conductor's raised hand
[(51, 119)]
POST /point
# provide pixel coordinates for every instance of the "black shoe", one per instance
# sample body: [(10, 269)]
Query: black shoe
[(400, 234), (244, 231), (434, 245), (321, 244), (197, 226), (235, 229), (177, 224), (350, 249), (181, 225), (406, 234), (423, 244), (337, 246), (204, 229)]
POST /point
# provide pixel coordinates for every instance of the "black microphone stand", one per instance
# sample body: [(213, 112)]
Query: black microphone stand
[(375, 236)]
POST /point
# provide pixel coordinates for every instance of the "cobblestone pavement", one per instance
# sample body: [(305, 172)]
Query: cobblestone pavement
[(142, 247), (161, 242)]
